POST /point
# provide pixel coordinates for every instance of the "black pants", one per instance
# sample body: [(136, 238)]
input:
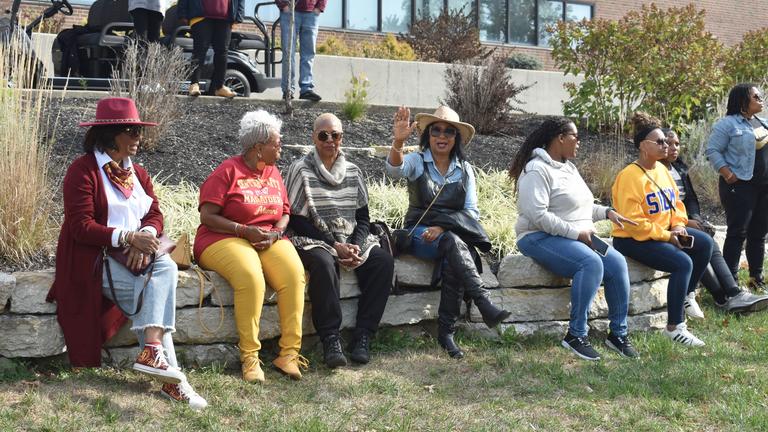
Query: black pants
[(374, 278), (746, 213), (717, 278), (216, 33), (146, 24)]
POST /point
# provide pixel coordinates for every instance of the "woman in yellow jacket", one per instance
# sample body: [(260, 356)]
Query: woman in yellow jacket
[(645, 192)]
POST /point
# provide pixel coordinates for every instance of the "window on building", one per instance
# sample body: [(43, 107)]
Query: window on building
[(395, 15), (578, 12), (522, 22), (362, 14), (492, 20), (550, 12), (428, 7), (331, 17), (467, 6)]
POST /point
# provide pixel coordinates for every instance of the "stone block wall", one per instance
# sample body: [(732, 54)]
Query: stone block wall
[(539, 302)]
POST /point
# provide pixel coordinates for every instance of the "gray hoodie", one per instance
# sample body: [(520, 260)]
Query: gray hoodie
[(552, 197)]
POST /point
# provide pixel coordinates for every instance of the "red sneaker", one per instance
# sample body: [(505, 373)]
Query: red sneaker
[(184, 393), (152, 361)]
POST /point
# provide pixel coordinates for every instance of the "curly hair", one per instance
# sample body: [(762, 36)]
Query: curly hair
[(738, 98), (256, 127), (541, 137), (643, 124)]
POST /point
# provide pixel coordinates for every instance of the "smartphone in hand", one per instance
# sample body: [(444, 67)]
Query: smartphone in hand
[(599, 245), (686, 241)]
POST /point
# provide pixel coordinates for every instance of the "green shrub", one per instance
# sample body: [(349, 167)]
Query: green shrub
[(388, 48), (523, 61), (747, 61), (450, 37), (483, 95), (356, 98), (661, 61)]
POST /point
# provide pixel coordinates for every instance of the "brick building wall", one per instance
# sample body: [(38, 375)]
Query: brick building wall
[(728, 20)]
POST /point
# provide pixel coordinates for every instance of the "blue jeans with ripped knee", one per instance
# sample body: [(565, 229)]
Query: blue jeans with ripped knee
[(573, 259)]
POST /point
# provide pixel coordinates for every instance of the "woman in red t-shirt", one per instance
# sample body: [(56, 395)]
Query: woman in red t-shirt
[(244, 210)]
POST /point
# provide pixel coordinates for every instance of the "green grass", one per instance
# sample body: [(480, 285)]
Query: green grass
[(514, 383)]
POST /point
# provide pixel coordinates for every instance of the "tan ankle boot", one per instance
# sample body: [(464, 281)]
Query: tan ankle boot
[(226, 92), (194, 90), (252, 371), (291, 364)]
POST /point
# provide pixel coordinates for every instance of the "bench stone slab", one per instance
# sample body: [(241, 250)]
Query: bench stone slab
[(7, 283), (30, 336)]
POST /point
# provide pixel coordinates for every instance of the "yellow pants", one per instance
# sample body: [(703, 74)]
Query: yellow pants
[(247, 270)]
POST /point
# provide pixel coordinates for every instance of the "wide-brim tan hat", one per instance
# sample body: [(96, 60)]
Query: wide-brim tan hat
[(447, 115)]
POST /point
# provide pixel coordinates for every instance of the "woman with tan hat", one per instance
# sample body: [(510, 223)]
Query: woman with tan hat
[(443, 217), (109, 209)]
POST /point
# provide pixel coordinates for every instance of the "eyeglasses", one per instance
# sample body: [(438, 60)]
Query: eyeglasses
[(757, 97), (661, 142), (449, 132), (133, 131), (573, 134), (323, 135)]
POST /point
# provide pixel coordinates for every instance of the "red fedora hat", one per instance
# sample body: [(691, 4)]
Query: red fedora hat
[(116, 111)]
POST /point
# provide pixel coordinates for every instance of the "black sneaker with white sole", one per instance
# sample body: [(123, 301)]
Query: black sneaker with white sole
[(580, 346), (621, 345)]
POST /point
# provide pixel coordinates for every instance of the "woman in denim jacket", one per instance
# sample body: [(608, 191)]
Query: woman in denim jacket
[(736, 149)]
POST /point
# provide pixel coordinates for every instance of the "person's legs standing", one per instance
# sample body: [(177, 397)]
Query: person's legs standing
[(738, 200), (140, 22), (756, 231), (154, 22), (202, 33), (307, 45), (288, 43), (220, 41)]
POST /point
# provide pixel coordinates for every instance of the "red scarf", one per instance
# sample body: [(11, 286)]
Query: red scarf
[(120, 178)]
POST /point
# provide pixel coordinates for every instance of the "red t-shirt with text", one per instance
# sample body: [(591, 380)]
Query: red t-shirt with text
[(245, 196)]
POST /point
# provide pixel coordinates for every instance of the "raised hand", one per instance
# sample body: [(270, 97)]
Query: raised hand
[(402, 128)]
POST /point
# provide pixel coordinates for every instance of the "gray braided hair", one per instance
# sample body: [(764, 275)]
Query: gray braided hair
[(256, 127)]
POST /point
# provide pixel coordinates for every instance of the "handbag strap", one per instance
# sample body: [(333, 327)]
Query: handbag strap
[(140, 301), (661, 191)]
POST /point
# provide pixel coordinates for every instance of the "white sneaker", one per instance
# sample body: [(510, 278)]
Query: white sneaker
[(692, 308), (681, 335), (183, 392)]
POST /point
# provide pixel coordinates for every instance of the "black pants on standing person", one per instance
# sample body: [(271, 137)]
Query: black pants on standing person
[(746, 211), (374, 277), (206, 33), (146, 24)]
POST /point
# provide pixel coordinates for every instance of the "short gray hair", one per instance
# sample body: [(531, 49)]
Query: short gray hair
[(256, 127)]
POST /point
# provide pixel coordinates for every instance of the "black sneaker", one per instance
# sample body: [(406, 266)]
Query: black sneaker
[(359, 348), (580, 346), (757, 285), (621, 345), (332, 353), (310, 95), (288, 94)]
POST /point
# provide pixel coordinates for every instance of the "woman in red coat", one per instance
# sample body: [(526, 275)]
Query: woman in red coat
[(109, 203)]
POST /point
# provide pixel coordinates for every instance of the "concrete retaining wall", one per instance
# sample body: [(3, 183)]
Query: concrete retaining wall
[(395, 83), (539, 302)]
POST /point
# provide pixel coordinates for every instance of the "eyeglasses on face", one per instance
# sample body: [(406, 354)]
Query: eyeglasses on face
[(449, 132), (323, 135), (133, 131), (661, 142), (757, 97), (573, 134)]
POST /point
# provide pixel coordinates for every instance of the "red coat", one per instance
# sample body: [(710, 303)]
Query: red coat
[(86, 317)]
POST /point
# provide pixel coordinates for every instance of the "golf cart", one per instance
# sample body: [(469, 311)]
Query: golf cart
[(84, 56)]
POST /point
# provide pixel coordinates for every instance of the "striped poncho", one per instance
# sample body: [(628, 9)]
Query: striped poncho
[(329, 199)]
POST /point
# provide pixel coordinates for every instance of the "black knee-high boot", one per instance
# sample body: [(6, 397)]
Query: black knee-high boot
[(457, 257), (448, 312)]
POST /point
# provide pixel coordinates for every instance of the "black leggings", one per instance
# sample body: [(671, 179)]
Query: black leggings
[(216, 33), (717, 278), (746, 213), (146, 24)]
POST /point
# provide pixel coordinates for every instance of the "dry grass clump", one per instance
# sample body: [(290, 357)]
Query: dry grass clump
[(600, 167), (153, 76), (25, 190), (178, 202)]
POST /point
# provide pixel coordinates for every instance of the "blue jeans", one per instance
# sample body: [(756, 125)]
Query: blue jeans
[(305, 26), (422, 248), (159, 305), (685, 266), (575, 260)]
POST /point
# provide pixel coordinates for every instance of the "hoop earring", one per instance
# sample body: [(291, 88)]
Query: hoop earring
[(260, 164)]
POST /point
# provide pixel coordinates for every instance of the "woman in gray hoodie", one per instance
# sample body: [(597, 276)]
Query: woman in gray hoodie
[(556, 228)]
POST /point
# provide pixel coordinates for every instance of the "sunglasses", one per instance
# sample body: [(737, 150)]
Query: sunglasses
[(757, 97), (323, 135), (449, 132), (133, 131), (661, 142)]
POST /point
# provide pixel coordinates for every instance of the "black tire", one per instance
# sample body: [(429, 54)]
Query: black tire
[(237, 82)]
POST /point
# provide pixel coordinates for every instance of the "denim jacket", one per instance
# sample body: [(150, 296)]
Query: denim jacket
[(732, 144)]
